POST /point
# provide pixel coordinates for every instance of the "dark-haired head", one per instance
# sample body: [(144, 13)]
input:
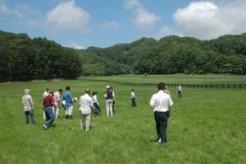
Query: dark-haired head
[(161, 86), (68, 88)]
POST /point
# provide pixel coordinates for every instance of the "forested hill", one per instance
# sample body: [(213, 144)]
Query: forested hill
[(172, 54), (23, 58)]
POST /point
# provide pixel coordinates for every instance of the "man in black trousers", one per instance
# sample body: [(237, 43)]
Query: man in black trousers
[(161, 103)]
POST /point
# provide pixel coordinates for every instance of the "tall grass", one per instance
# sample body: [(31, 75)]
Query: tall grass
[(206, 126)]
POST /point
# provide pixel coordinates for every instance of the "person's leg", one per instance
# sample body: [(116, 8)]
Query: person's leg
[(27, 117), (87, 121), (33, 121), (107, 107), (70, 112), (163, 127), (49, 117), (82, 123), (111, 112), (134, 102), (157, 124)]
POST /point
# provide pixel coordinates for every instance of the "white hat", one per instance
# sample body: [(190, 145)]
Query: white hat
[(27, 91), (107, 86)]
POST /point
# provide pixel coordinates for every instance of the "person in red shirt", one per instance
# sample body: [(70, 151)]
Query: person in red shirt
[(48, 103)]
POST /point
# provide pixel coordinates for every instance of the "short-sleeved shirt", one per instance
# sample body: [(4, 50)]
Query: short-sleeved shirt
[(85, 102), (68, 97), (161, 101)]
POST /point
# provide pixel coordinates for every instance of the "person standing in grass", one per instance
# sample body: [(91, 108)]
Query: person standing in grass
[(48, 104), (161, 103), (86, 106), (179, 91), (95, 103), (109, 98), (68, 97), (28, 107), (133, 98), (57, 102)]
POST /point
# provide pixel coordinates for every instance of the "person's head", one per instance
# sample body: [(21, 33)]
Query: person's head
[(87, 91), (27, 91), (60, 91), (51, 93), (132, 90), (68, 88), (94, 92), (47, 90), (107, 87), (161, 86)]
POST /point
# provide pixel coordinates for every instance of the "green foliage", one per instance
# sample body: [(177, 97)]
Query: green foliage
[(171, 54), (23, 58)]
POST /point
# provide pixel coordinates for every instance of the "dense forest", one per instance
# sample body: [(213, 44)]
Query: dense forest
[(171, 54), (23, 58)]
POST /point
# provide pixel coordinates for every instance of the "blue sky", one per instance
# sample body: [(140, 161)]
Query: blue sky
[(103, 23)]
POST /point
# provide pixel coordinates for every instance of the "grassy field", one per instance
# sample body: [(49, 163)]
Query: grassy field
[(206, 126)]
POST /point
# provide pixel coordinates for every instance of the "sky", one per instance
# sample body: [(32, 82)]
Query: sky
[(104, 23)]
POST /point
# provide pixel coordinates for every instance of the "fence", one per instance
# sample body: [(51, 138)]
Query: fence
[(226, 86)]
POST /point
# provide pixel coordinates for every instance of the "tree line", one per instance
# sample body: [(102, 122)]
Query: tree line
[(171, 54), (23, 58)]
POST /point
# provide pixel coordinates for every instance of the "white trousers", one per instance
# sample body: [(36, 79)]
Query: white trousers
[(85, 121), (69, 111), (109, 107)]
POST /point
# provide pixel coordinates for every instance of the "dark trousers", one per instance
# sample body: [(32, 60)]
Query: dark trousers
[(29, 116), (97, 108), (50, 116), (134, 102), (161, 125)]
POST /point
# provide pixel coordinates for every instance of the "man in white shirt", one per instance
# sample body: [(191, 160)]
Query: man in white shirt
[(133, 98), (86, 105), (161, 103)]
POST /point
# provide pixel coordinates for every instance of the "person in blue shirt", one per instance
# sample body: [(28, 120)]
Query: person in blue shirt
[(68, 98)]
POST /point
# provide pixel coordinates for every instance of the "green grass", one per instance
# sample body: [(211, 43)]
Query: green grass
[(206, 126)]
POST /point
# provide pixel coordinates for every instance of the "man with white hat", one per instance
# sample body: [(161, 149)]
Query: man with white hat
[(28, 107)]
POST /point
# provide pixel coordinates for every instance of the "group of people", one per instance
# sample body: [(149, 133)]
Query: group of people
[(53, 102), (160, 102)]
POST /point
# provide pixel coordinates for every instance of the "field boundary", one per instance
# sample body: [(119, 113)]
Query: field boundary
[(224, 85)]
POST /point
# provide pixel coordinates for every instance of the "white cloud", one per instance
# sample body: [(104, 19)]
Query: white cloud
[(143, 19), (109, 25), (206, 20), (9, 11), (67, 16)]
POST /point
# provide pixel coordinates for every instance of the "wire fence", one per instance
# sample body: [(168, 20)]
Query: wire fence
[(224, 85)]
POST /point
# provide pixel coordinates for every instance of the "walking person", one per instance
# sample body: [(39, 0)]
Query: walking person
[(28, 107), (48, 104), (45, 93), (68, 98), (86, 106), (57, 102), (179, 91), (109, 98), (97, 109), (161, 103), (133, 98)]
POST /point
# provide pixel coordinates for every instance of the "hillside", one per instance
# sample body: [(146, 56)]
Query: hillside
[(23, 58)]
